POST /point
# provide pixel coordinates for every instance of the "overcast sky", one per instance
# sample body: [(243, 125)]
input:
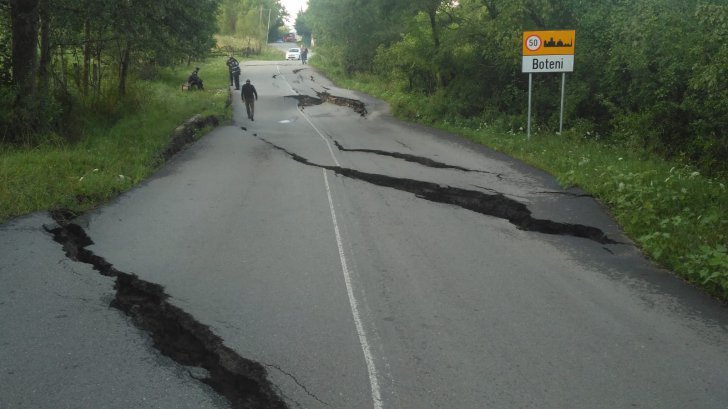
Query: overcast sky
[(293, 7)]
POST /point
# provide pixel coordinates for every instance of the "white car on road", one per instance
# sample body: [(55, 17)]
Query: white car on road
[(293, 54)]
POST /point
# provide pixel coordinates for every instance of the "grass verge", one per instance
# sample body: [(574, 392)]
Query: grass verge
[(108, 157), (677, 216)]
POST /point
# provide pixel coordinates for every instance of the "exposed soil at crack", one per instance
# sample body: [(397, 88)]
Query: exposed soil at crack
[(354, 104), (414, 159), (496, 205), (307, 100), (175, 333)]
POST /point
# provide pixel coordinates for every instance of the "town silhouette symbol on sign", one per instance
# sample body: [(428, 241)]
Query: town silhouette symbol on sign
[(560, 43)]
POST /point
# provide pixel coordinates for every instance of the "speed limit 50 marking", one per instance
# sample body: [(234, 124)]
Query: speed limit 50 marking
[(533, 42)]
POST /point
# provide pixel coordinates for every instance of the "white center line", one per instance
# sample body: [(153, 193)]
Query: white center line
[(358, 323), (368, 357), (331, 150)]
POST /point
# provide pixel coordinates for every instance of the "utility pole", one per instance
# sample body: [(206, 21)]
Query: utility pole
[(267, 31), (260, 22)]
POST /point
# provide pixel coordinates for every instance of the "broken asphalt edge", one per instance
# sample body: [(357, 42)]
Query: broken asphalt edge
[(175, 333)]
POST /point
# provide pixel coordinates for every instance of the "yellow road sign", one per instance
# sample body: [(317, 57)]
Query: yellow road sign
[(554, 42)]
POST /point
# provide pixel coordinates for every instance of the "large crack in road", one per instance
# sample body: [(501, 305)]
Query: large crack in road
[(174, 332), (414, 159), (307, 100), (495, 205)]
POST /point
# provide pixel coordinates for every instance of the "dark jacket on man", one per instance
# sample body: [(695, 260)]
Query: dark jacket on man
[(248, 92)]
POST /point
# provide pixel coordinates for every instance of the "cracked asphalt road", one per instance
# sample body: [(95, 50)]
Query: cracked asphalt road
[(359, 295)]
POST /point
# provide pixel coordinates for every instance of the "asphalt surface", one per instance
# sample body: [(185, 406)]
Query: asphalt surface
[(61, 346), (329, 247)]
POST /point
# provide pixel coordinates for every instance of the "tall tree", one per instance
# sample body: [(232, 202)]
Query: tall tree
[(5, 44), (87, 40), (24, 20), (250, 18), (302, 26)]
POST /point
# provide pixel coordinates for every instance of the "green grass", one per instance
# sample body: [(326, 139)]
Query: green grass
[(108, 158), (676, 215)]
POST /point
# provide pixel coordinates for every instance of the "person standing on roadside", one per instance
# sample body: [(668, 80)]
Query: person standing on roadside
[(236, 76), (249, 96), (304, 55), (231, 63)]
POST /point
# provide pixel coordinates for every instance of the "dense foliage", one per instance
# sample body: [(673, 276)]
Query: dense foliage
[(255, 20), (68, 55), (648, 73), (303, 28), (64, 61)]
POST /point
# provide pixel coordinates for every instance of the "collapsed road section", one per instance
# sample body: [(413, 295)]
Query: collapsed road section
[(496, 205), (175, 333), (307, 100)]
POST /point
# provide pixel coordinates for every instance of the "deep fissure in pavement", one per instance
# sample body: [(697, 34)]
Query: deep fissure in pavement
[(496, 205), (175, 333), (354, 104), (414, 159), (307, 100)]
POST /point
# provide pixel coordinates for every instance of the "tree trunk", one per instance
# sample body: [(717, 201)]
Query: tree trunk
[(432, 12), (98, 61), (124, 69), (492, 9), (62, 71), (435, 29), (86, 57), (45, 48), (24, 22)]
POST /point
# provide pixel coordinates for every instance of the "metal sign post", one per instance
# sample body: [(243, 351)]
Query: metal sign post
[(530, 83), (548, 51), (561, 116)]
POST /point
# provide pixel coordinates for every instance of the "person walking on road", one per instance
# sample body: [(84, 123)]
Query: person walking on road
[(304, 55), (249, 96)]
